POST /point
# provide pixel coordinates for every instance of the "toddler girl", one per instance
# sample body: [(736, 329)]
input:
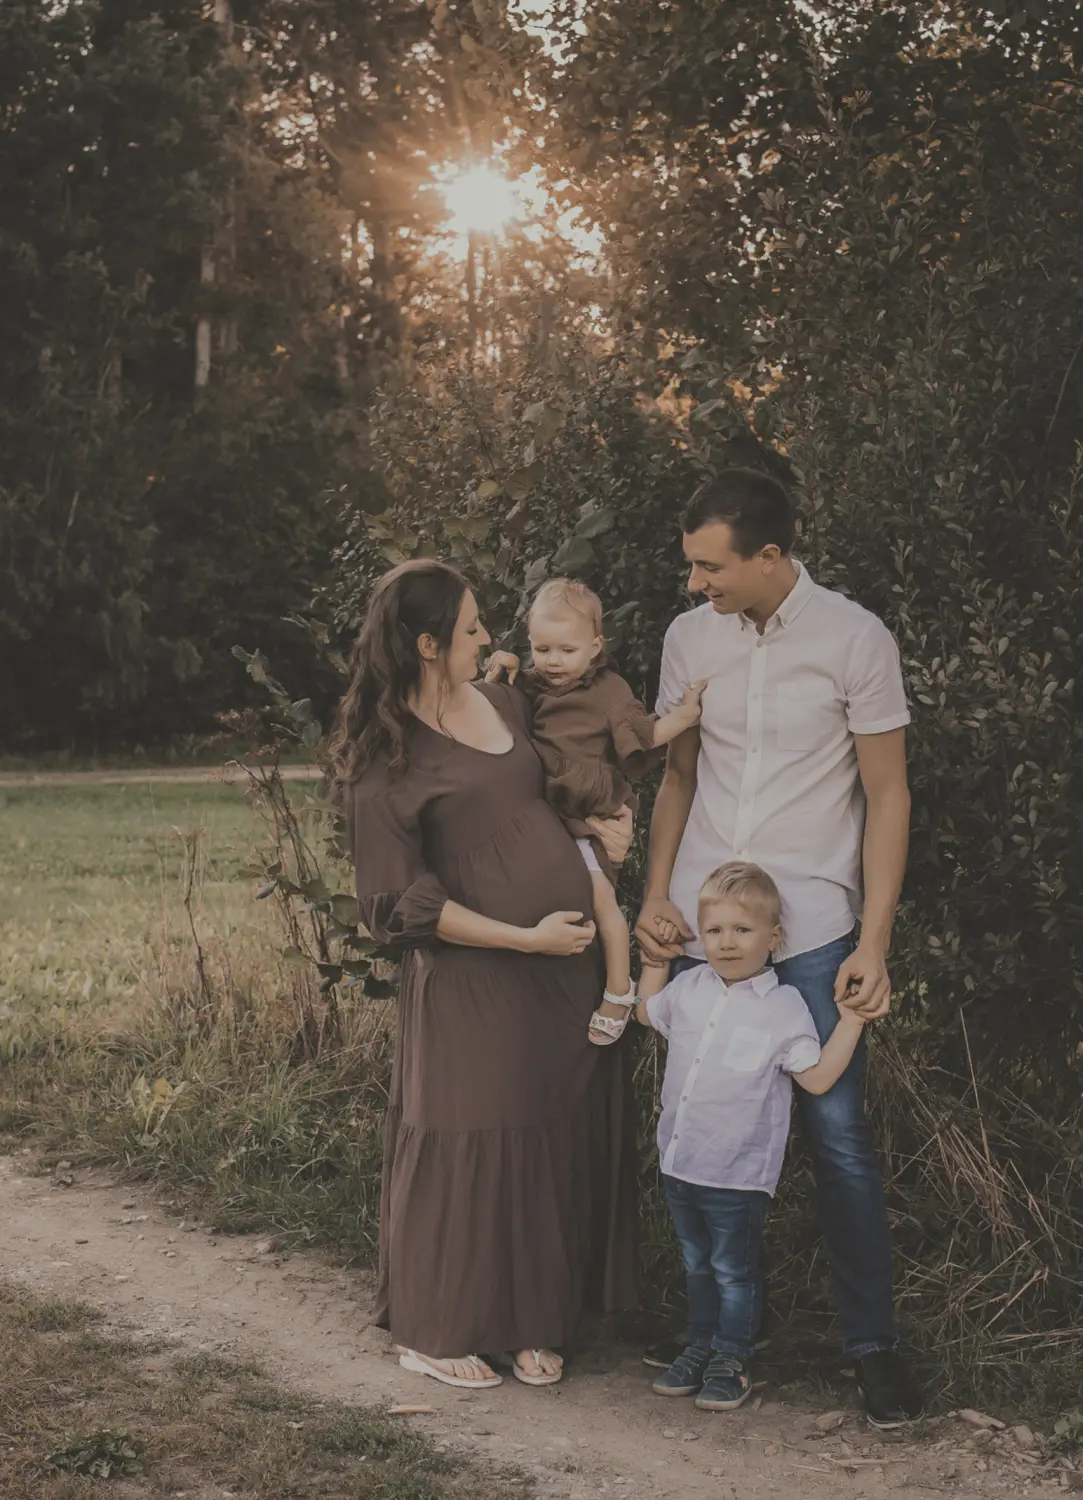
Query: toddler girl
[(593, 737)]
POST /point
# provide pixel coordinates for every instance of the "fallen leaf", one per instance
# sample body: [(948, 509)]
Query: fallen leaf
[(410, 1411), (830, 1420), (980, 1419)]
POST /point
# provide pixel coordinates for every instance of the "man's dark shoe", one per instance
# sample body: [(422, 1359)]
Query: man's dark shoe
[(726, 1386), (661, 1356), (685, 1375), (891, 1397)]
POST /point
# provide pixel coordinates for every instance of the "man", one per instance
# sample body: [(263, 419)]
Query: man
[(798, 764)]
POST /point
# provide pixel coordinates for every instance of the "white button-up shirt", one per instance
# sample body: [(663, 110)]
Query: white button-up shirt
[(726, 1093), (777, 778)]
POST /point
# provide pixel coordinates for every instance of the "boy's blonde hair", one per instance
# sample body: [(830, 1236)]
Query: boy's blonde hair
[(737, 880), (570, 595)]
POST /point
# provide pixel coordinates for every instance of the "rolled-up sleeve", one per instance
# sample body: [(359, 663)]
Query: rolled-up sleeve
[(801, 1048), (673, 678), (400, 899), (875, 695), (659, 1009)]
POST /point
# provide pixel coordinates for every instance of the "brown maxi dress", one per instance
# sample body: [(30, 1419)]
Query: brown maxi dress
[(508, 1201)]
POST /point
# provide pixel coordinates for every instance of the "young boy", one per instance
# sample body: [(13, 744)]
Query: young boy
[(736, 1037)]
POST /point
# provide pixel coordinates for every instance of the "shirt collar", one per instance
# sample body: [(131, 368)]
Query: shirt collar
[(762, 984), (791, 606), (541, 688)]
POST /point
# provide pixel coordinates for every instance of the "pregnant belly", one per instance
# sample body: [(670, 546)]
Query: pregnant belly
[(530, 868)]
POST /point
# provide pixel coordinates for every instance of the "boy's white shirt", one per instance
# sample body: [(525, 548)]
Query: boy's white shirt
[(777, 777), (726, 1094)]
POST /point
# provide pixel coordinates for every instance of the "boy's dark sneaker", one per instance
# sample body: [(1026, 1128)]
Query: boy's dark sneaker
[(726, 1385), (661, 1356), (891, 1397), (685, 1375)]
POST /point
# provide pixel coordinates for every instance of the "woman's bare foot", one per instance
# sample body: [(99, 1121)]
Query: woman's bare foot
[(538, 1366), (470, 1371)]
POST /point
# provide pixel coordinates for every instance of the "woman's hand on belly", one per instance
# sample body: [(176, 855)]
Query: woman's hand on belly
[(561, 933)]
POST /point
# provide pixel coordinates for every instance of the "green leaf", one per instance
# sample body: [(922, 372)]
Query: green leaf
[(345, 910), (574, 556), (551, 423), (293, 958), (597, 523), (523, 481), (316, 891), (488, 489), (536, 574), (267, 890), (311, 735)]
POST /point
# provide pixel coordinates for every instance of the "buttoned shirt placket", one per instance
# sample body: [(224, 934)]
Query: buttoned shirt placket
[(750, 775), (717, 1012)]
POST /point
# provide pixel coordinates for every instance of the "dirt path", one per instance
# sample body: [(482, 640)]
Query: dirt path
[(157, 776), (600, 1432)]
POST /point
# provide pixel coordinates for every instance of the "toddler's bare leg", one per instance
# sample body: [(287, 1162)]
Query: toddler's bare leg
[(616, 941)]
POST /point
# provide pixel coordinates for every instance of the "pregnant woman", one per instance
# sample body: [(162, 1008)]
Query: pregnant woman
[(508, 1189)]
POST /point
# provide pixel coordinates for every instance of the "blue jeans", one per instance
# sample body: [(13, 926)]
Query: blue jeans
[(721, 1232), (853, 1215)]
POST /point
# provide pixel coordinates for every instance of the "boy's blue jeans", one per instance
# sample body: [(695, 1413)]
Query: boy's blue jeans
[(853, 1215), (721, 1232)]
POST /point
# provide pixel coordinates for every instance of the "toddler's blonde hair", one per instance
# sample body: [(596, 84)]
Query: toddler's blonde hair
[(737, 880), (568, 594)]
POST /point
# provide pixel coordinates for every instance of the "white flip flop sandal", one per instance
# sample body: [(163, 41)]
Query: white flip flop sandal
[(541, 1378), (603, 1031), (411, 1360)]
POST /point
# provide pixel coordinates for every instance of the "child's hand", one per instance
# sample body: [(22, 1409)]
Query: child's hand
[(499, 663), (690, 707), (847, 1005), (668, 932)]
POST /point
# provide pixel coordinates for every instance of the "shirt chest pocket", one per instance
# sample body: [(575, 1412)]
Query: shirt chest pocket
[(808, 715), (747, 1050)]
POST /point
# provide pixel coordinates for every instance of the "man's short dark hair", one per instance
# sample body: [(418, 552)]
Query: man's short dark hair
[(754, 506)]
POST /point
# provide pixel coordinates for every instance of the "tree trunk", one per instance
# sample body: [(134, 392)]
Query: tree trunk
[(227, 333)]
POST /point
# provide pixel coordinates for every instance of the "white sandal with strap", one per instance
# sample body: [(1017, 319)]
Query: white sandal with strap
[(603, 1031), (541, 1378), (409, 1359)]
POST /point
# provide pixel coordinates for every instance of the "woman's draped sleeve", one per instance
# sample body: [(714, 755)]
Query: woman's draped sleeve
[(400, 899)]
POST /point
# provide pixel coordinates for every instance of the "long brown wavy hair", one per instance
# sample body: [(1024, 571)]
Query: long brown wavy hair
[(417, 598)]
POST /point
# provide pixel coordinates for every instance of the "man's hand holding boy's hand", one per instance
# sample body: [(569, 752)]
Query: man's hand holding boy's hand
[(661, 931), (863, 984)]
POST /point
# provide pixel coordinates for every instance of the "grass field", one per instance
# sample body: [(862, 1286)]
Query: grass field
[(84, 1408), (114, 1047), (91, 895)]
